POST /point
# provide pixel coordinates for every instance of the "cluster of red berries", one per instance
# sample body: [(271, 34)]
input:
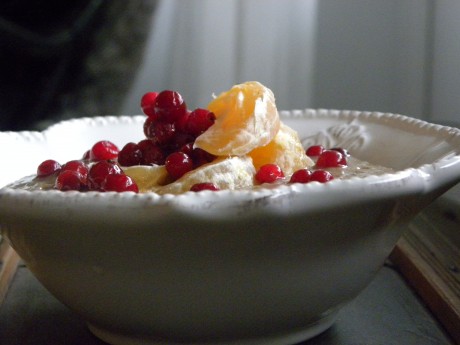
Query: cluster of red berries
[(170, 130), (333, 158), (96, 171)]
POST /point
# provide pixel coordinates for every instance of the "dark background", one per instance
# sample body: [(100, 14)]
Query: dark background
[(61, 59)]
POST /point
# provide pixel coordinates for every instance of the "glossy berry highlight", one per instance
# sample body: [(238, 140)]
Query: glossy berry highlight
[(178, 164), (103, 150), (69, 180), (148, 103), (301, 176), (198, 187), (331, 159), (119, 183), (78, 166), (130, 155), (48, 167), (314, 150), (321, 176), (269, 173), (199, 121), (99, 171), (169, 106)]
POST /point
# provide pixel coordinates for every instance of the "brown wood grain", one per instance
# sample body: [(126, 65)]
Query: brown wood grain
[(429, 260), (9, 260)]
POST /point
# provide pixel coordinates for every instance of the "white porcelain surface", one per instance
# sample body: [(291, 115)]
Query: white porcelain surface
[(228, 267)]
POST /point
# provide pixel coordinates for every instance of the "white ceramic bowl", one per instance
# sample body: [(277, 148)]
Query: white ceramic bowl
[(227, 267)]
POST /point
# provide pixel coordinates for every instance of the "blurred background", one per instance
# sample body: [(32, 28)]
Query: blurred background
[(96, 57)]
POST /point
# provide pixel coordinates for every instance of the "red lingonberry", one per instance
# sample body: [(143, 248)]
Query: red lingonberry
[(99, 171), (169, 106), (151, 153), (314, 150), (321, 176), (86, 155), (343, 151), (177, 164), (180, 139), (301, 176), (331, 159), (78, 166), (200, 157), (199, 121), (148, 126), (69, 180), (198, 187), (147, 103), (181, 122), (187, 148), (103, 150), (269, 173), (160, 132), (130, 155), (48, 167), (119, 183)]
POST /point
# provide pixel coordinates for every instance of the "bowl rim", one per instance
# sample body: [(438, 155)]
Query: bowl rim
[(403, 122)]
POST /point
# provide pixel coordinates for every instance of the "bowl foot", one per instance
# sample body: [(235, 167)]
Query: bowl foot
[(293, 337)]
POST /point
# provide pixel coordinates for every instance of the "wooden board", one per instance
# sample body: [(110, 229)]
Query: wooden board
[(8, 264), (428, 256)]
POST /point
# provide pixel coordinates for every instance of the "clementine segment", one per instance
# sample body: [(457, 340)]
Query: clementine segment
[(246, 118), (147, 177), (285, 150)]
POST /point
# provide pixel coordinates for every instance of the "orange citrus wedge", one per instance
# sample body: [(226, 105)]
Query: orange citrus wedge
[(285, 150), (246, 118), (147, 177)]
